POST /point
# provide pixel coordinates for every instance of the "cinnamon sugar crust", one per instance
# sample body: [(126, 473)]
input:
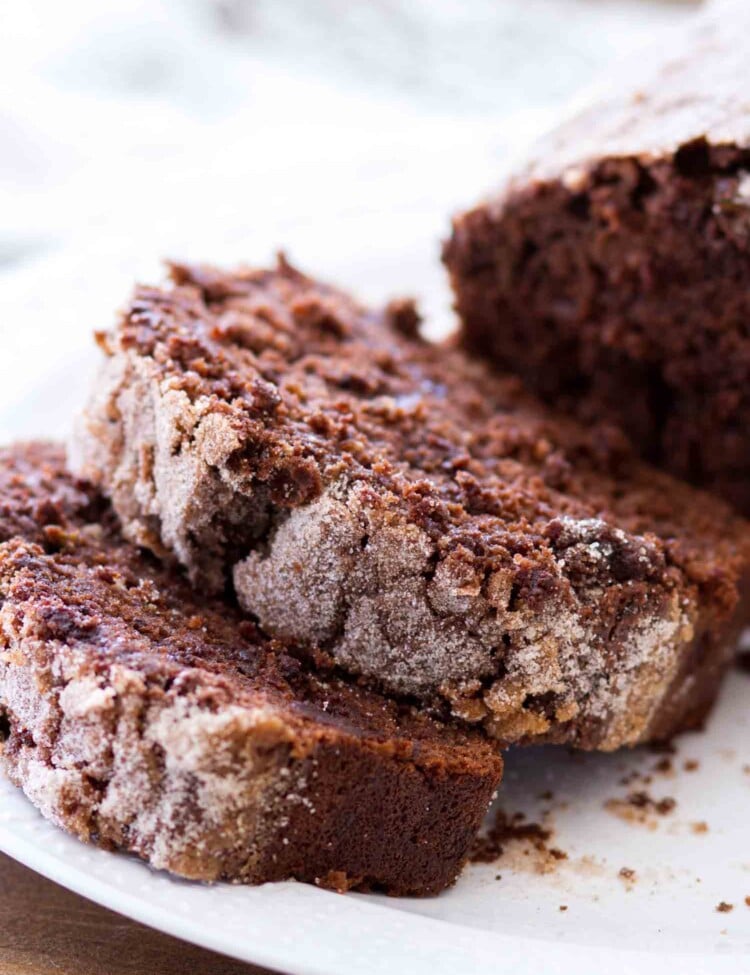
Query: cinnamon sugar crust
[(142, 717), (407, 515)]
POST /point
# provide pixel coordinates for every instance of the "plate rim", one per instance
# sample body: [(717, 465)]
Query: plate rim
[(449, 943)]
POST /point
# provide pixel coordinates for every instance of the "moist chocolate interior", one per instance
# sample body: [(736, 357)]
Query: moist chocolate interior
[(619, 293)]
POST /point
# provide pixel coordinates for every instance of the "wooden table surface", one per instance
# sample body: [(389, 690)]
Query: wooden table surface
[(46, 930)]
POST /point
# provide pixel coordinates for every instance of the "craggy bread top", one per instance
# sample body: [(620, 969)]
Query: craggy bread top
[(97, 594), (142, 716), (421, 519)]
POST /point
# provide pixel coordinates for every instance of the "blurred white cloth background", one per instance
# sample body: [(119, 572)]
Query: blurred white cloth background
[(193, 123), (344, 130)]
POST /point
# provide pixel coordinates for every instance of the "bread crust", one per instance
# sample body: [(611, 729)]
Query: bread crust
[(420, 521), (143, 718)]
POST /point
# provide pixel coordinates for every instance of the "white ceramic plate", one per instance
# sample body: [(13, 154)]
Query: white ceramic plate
[(665, 917)]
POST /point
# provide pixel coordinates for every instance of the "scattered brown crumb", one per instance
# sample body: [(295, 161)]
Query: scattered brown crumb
[(664, 765), (625, 811), (404, 317), (563, 907), (547, 795), (742, 661), (627, 873), (512, 828), (636, 776), (663, 748), (642, 800), (337, 881), (747, 901), (662, 806), (505, 829), (691, 765), (699, 827), (746, 769), (724, 908), (639, 807)]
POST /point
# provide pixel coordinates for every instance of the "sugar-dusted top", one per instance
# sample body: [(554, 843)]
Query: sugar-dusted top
[(100, 599), (316, 387), (400, 510)]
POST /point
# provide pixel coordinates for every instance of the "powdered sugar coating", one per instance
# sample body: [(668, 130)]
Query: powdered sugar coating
[(371, 594)]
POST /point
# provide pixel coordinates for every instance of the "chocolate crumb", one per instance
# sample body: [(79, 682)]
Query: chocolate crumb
[(665, 806), (747, 901), (642, 800), (403, 316), (504, 829), (663, 748), (627, 873), (563, 907), (700, 827), (691, 765), (511, 828), (724, 908), (640, 807)]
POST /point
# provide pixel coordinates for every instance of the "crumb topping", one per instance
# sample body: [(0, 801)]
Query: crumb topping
[(140, 714), (400, 508)]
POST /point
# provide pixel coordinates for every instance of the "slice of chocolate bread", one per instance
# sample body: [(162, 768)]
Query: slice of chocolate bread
[(409, 516), (141, 717), (612, 270)]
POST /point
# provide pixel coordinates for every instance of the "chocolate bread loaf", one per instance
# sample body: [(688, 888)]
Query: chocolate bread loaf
[(407, 515), (142, 717), (611, 271)]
